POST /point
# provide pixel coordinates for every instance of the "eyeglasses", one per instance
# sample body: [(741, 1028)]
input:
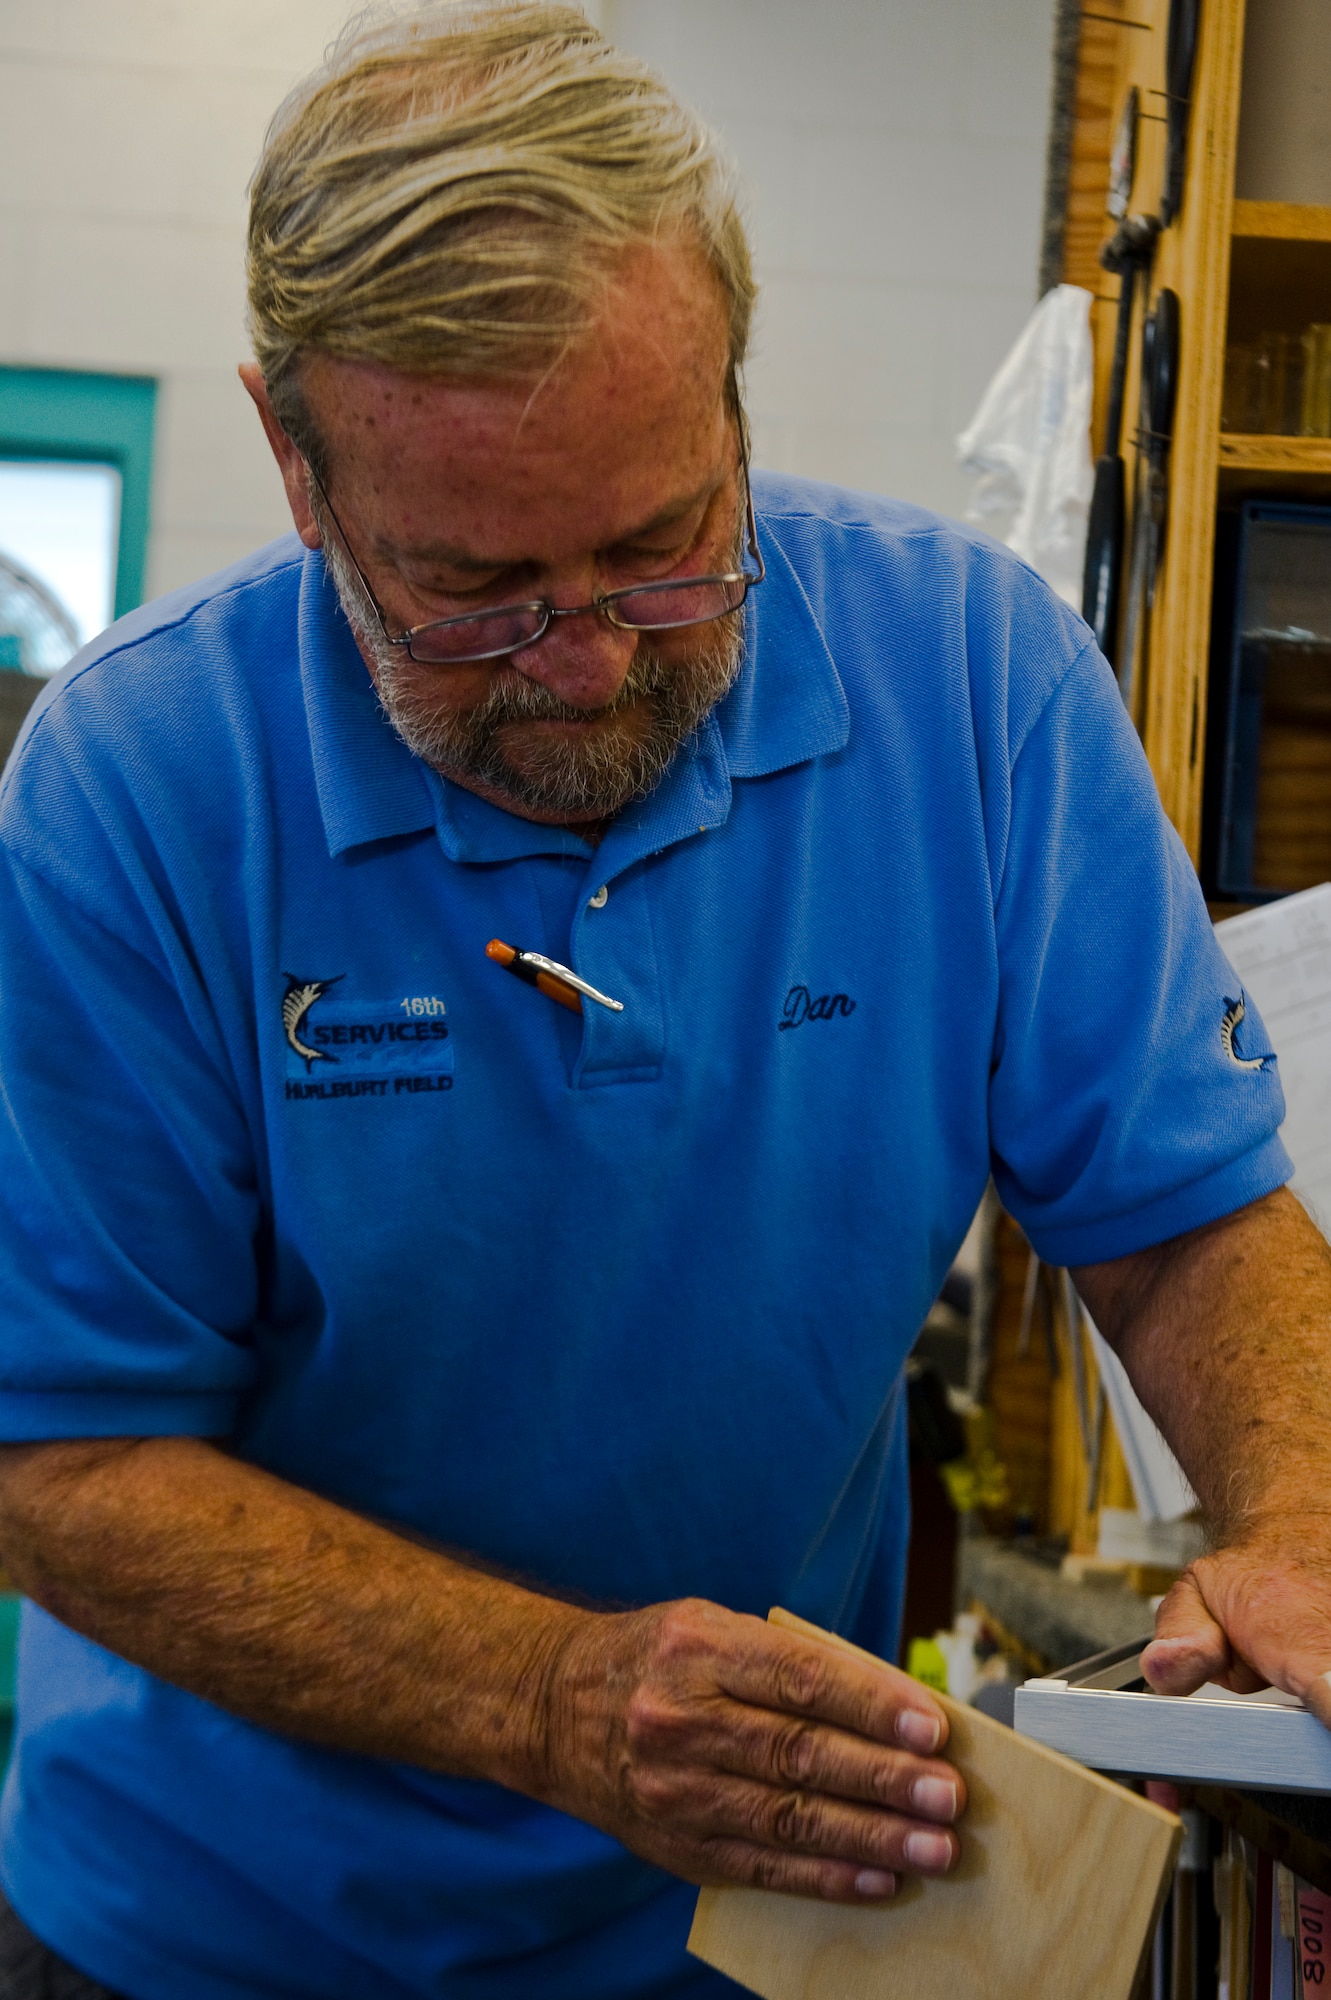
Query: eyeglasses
[(645, 607)]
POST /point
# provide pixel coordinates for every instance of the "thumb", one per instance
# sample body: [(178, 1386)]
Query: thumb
[(1189, 1647), (1317, 1695)]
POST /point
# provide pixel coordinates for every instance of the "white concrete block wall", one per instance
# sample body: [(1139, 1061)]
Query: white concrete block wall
[(128, 130), (893, 148), (895, 155)]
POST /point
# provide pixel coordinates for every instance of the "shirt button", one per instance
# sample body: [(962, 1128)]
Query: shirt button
[(600, 899)]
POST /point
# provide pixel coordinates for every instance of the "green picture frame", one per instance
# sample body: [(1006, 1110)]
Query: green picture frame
[(66, 413)]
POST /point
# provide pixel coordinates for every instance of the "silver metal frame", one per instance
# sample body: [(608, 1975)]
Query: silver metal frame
[(1101, 1712)]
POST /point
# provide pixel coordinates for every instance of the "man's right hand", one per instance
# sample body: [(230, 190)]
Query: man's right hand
[(721, 1748), (728, 1750)]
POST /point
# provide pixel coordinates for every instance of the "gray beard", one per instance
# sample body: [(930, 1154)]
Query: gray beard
[(589, 775)]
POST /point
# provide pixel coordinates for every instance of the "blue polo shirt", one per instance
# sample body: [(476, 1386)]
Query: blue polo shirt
[(619, 1302)]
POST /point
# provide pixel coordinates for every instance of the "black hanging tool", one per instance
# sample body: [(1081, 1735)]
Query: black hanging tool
[(1127, 252), (1159, 393), (1164, 398), (1127, 660), (1180, 59)]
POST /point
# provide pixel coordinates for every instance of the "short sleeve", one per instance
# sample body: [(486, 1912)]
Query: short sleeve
[(1122, 1110), (128, 1275)]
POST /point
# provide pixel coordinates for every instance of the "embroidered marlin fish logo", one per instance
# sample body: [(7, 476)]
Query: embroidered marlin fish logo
[(297, 1001), (1234, 1013)]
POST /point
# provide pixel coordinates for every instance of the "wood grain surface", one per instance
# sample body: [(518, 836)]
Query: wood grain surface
[(1061, 1878), (1287, 221), (1269, 453), (1193, 258)]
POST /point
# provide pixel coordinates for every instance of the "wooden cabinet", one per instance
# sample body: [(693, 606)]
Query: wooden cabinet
[(1249, 255)]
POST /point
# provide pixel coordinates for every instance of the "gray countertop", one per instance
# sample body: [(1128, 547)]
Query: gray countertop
[(1059, 1620)]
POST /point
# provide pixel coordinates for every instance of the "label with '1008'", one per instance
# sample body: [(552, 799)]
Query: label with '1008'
[(1314, 1938)]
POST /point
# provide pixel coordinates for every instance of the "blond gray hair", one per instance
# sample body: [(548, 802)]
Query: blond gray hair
[(449, 192)]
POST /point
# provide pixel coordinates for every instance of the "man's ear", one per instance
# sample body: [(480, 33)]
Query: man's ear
[(290, 462)]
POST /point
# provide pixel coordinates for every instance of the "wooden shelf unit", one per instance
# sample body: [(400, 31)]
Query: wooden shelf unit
[(1283, 221), (1289, 458), (1241, 268), (1192, 257), (1273, 478)]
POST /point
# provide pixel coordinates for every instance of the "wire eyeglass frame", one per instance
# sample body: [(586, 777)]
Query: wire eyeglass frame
[(606, 604)]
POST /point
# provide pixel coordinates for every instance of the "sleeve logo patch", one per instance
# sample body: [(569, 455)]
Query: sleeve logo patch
[(1235, 1011)]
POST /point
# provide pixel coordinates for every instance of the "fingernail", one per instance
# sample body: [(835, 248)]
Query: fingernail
[(873, 1883), (930, 1852), (934, 1797), (917, 1730)]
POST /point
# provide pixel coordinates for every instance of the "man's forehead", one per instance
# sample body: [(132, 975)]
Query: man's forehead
[(655, 357), (626, 428), (429, 546)]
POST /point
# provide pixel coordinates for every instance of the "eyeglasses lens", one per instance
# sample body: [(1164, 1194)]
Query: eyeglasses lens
[(691, 601), (490, 632)]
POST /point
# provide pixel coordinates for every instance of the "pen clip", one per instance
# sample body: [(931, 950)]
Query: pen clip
[(558, 971)]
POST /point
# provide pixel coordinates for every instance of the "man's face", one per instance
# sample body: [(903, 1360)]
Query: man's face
[(618, 466)]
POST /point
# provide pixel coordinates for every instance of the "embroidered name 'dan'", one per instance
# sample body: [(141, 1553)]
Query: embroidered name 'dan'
[(802, 1006)]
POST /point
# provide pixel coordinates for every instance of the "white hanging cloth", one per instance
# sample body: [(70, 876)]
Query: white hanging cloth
[(1029, 443)]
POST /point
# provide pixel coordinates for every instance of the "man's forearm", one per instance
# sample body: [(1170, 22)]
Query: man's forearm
[(282, 1606), (1226, 1334), (713, 1744)]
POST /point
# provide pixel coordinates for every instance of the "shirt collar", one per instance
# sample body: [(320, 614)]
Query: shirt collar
[(370, 785), (787, 706), (471, 829)]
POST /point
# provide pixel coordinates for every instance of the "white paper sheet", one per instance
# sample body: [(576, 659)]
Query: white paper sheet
[(1159, 1484), (1282, 954)]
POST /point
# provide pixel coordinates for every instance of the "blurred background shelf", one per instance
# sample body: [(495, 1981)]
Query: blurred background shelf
[(1283, 221), (1268, 463), (1269, 453)]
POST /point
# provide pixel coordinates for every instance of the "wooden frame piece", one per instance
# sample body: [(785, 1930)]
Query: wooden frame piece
[(1060, 1884), (1194, 260), (1266, 1740)]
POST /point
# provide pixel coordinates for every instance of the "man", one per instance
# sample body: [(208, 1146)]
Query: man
[(418, 1390)]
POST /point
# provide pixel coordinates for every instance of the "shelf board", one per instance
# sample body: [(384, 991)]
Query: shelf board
[(1283, 221), (1289, 465), (1241, 453)]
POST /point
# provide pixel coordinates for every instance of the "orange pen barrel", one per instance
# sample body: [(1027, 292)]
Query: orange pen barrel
[(545, 982)]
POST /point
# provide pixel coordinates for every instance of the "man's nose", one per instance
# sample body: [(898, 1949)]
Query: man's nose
[(582, 658)]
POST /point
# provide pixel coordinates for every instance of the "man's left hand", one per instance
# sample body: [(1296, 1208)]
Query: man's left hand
[(1226, 1335), (1253, 1615)]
